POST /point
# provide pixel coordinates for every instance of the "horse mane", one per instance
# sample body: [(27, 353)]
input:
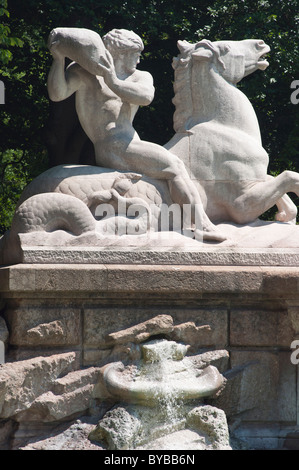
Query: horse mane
[(182, 65), (183, 93)]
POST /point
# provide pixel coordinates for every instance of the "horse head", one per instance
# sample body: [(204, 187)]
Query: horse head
[(206, 66), (232, 59)]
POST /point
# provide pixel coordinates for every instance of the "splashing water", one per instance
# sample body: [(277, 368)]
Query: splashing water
[(164, 364)]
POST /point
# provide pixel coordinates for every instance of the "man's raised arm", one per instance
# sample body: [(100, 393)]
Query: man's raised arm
[(139, 90), (61, 85)]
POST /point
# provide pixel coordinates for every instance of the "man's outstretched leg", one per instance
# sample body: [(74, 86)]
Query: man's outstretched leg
[(156, 162), (184, 192)]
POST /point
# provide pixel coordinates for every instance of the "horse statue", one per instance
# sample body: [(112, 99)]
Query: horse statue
[(218, 136)]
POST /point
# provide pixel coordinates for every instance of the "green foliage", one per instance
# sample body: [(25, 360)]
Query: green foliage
[(25, 62), (6, 41)]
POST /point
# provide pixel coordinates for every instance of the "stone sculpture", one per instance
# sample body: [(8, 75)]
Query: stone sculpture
[(217, 132), (106, 104), (214, 169)]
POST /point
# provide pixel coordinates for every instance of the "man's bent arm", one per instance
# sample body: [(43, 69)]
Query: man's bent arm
[(61, 87), (140, 93)]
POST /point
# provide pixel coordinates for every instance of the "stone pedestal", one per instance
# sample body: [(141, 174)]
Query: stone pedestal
[(252, 312)]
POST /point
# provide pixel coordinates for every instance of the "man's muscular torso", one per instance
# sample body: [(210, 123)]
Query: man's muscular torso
[(102, 113)]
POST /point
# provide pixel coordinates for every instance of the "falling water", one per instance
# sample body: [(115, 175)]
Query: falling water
[(163, 364), (158, 396)]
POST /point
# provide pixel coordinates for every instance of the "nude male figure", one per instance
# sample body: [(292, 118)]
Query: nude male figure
[(106, 106)]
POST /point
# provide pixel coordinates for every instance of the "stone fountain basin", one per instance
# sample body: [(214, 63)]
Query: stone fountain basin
[(131, 385)]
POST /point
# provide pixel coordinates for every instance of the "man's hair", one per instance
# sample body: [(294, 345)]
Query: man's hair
[(122, 39)]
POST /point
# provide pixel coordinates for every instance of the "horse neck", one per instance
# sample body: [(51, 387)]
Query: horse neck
[(221, 101)]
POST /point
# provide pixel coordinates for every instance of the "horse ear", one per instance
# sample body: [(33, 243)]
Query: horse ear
[(184, 46), (202, 54), (203, 50)]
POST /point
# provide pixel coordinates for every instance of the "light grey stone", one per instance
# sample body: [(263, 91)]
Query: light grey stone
[(79, 44), (119, 429), (228, 183), (260, 328), (223, 129), (212, 423), (66, 436), (37, 326), (23, 382), (162, 324), (139, 428)]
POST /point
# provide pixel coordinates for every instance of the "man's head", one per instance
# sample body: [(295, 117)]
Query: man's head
[(125, 45), (120, 40)]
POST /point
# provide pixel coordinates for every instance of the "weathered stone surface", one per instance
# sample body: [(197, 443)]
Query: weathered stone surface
[(262, 382), (154, 279), (104, 327), (66, 436), (190, 333), (293, 313), (260, 328), (75, 380), (219, 359), (75, 280), (125, 428), (211, 422), (208, 328), (60, 280), (99, 323), (52, 278), (44, 326), (51, 407), (287, 389), (244, 391), (168, 254), (261, 386), (231, 279), (183, 439), (70, 395), (119, 429), (162, 324), (21, 383)]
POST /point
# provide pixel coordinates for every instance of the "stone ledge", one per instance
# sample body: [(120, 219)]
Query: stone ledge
[(151, 279), (209, 255)]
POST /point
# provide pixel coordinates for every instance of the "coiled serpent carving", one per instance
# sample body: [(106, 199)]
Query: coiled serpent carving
[(66, 197)]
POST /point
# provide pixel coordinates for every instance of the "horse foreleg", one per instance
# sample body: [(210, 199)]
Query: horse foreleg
[(287, 210), (258, 197)]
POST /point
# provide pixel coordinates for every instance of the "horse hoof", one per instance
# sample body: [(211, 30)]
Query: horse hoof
[(284, 217)]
